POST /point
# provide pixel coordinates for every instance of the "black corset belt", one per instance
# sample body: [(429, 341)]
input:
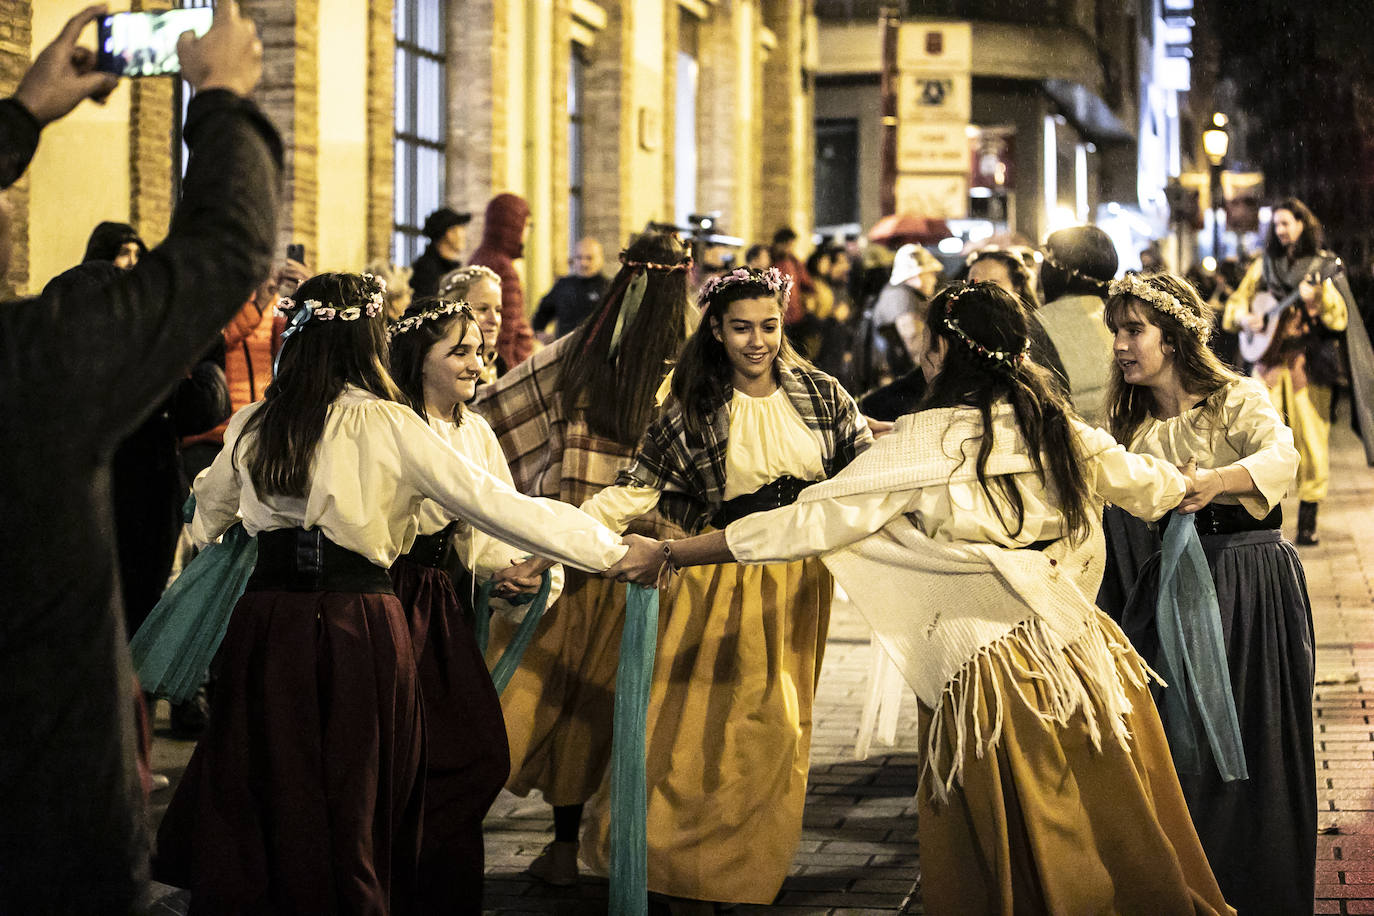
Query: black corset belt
[(432, 549), (781, 492), (1223, 519), (297, 560)]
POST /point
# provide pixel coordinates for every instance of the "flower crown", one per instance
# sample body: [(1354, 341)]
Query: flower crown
[(1004, 358), (447, 307), (467, 275), (1135, 285), (315, 310), (684, 264), (774, 279)]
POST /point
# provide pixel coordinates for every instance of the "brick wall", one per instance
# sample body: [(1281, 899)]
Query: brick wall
[(608, 130), (724, 167), (473, 142), (558, 120), (15, 41), (381, 128), (150, 148), (289, 95)]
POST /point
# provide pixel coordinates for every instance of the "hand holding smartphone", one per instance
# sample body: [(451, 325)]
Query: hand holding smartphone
[(145, 44)]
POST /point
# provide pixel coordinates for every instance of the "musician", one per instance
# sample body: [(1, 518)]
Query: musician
[(1302, 361)]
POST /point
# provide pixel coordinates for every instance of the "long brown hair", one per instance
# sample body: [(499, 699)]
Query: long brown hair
[(615, 391), (317, 360), (992, 321), (409, 349), (703, 369), (1199, 370)]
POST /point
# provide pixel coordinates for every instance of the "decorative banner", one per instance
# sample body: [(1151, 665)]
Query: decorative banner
[(933, 196), (932, 147)]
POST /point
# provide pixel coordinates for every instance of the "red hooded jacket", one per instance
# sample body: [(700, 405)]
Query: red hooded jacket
[(502, 245)]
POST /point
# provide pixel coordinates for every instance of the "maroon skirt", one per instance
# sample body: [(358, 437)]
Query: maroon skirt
[(305, 794), (467, 758)]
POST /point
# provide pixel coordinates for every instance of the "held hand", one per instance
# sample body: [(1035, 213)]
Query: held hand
[(519, 578), (63, 73), (1307, 289), (228, 56), (641, 563), (1204, 485), (290, 275)]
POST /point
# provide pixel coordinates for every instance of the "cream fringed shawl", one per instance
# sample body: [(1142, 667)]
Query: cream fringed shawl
[(938, 607)]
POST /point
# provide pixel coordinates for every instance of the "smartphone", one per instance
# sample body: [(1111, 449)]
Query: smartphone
[(145, 44), (296, 252)]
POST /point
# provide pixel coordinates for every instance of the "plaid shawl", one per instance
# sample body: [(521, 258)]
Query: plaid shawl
[(689, 470), (551, 453)]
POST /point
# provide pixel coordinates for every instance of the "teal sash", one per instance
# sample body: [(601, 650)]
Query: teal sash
[(1193, 657), (629, 894)]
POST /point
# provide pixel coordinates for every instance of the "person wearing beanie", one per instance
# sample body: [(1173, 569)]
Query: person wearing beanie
[(1079, 263), (447, 231), (503, 243)]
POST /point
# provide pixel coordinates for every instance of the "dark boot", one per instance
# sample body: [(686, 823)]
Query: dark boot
[(1307, 524)]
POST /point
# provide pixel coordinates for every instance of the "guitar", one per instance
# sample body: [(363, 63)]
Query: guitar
[(1254, 343)]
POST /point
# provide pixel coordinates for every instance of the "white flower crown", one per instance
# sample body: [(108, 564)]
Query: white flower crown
[(405, 325), (1137, 286)]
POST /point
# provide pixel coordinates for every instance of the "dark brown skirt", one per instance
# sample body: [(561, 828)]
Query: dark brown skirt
[(305, 794), (467, 758)]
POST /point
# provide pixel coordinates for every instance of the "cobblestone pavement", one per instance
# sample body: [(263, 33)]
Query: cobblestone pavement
[(858, 853)]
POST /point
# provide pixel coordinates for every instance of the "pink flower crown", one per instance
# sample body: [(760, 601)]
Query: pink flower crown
[(315, 310), (775, 280)]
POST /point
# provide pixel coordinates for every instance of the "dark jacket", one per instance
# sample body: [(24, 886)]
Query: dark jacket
[(81, 365), (503, 244), (428, 269), (571, 300)]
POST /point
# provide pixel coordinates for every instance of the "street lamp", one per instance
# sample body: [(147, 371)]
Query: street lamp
[(1215, 142)]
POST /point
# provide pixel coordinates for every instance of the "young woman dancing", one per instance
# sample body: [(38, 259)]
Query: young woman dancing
[(437, 355), (1171, 398), (969, 538), (568, 419), (746, 426), (305, 794)]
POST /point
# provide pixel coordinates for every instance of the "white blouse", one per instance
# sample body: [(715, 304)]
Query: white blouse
[(1248, 431), (958, 511), (768, 440), (374, 466), (481, 553)]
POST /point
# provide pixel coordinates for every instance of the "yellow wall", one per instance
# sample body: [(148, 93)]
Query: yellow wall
[(343, 136), (646, 165), (80, 175)]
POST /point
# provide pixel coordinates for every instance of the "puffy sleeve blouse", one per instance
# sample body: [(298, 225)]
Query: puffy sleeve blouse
[(959, 511), (1247, 430), (375, 465)]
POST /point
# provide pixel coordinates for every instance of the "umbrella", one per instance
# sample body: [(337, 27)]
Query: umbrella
[(903, 228)]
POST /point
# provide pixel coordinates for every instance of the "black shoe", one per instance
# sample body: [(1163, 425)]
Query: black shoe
[(1307, 524), (190, 718)]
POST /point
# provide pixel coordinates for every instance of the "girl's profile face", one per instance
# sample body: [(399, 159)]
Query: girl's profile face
[(751, 332), (484, 297), (451, 368), (1139, 348)]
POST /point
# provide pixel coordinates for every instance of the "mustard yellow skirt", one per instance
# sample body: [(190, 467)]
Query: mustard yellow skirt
[(1045, 822), (559, 705), (728, 741)]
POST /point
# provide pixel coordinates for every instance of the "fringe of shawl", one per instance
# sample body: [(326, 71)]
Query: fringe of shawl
[(1083, 675)]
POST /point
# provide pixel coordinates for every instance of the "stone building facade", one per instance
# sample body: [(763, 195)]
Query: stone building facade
[(634, 148)]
